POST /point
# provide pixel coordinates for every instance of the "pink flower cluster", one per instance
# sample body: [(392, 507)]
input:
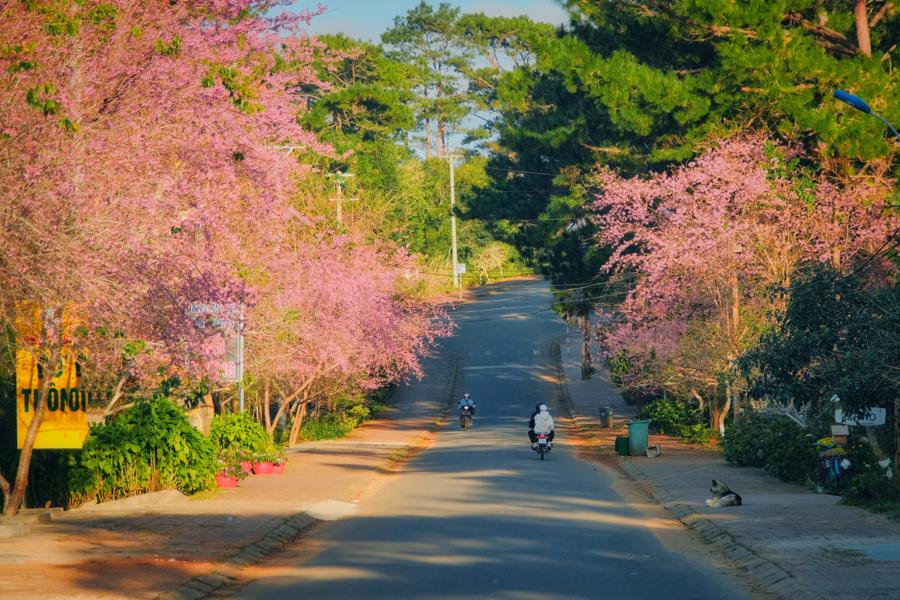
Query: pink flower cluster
[(709, 240)]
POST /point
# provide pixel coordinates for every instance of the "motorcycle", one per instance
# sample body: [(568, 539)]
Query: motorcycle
[(543, 445), (465, 416)]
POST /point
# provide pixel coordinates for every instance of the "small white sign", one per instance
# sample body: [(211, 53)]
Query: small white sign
[(875, 416), (460, 268)]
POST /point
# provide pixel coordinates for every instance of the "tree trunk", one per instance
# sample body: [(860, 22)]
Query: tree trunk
[(298, 420), (267, 406), (863, 38), (897, 442), (51, 337), (724, 413), (427, 139), (732, 395), (700, 401), (585, 348), (4, 487), (117, 395)]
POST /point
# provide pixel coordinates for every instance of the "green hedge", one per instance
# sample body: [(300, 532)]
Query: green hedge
[(774, 443), (151, 446)]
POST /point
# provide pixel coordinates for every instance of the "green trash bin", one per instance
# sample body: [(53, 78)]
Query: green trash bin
[(637, 437), (621, 445)]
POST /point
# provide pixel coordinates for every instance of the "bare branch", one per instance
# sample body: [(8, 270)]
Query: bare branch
[(885, 11)]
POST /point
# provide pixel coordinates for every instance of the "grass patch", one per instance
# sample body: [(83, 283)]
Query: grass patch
[(889, 508), (338, 424), (329, 427), (206, 494)]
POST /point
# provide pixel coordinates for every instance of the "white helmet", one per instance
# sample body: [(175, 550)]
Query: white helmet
[(544, 408), (466, 395)]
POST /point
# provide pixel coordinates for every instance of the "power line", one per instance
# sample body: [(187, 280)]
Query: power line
[(523, 172)]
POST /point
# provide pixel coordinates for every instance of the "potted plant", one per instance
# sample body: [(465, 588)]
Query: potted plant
[(278, 459), (246, 460), (230, 469), (264, 461), (241, 433)]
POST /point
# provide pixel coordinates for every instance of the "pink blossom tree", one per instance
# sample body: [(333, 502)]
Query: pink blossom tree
[(132, 134), (335, 311), (707, 242)]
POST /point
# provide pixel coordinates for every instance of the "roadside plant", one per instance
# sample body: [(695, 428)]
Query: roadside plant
[(229, 461), (270, 453), (151, 446), (239, 432), (772, 442), (679, 418)]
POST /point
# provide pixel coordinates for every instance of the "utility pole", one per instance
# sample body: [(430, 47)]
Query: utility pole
[(339, 201), (241, 360), (456, 277)]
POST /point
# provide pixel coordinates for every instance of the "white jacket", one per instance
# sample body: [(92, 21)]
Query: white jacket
[(543, 422)]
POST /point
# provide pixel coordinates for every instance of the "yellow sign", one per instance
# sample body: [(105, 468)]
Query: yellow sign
[(65, 423)]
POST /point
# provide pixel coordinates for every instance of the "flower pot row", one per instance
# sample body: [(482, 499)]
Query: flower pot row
[(260, 468)]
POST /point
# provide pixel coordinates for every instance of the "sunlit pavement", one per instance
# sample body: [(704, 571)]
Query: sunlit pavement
[(478, 515)]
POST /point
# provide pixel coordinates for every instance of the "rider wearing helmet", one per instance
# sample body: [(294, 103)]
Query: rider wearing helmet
[(537, 409), (542, 422), (466, 400)]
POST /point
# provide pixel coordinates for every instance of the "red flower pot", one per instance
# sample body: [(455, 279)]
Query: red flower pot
[(278, 469), (263, 468), (247, 466), (226, 482)]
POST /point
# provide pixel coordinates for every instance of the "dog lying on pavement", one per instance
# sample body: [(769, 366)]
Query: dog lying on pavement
[(722, 495)]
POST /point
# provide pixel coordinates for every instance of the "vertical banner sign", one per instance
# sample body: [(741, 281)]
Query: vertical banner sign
[(224, 345), (65, 423)]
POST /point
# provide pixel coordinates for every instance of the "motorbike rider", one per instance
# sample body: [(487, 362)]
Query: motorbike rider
[(537, 409), (466, 400), (542, 422)]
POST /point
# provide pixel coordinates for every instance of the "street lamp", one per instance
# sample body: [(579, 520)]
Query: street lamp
[(861, 105)]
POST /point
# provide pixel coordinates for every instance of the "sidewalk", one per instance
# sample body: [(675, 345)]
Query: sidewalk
[(166, 545), (786, 539)]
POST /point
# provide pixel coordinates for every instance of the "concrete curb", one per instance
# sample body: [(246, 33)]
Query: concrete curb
[(294, 526), (762, 572), (225, 574)]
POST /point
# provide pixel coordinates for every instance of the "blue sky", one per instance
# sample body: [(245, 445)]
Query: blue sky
[(367, 19)]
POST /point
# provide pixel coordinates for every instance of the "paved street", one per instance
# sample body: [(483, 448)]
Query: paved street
[(475, 514), (478, 515)]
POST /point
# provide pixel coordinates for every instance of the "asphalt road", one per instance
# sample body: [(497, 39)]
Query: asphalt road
[(478, 515)]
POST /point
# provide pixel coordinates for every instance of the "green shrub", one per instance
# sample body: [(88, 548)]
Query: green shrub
[(774, 443), (238, 430), (667, 416), (328, 427), (149, 447), (870, 486), (698, 433), (677, 418)]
